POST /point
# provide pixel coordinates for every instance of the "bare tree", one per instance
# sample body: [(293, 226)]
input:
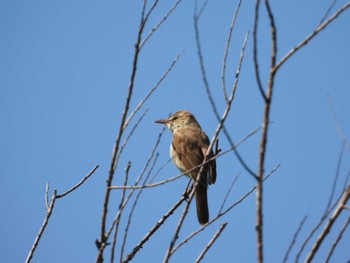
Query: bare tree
[(116, 223)]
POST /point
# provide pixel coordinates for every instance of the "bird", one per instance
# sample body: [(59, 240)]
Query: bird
[(188, 148)]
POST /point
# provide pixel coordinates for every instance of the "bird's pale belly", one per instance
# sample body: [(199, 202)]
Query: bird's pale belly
[(176, 160)]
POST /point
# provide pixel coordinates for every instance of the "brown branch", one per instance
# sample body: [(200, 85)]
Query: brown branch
[(126, 231), (211, 242), (196, 17), (327, 12), (159, 23), (264, 131), (336, 241), (49, 210), (153, 230), (126, 177), (312, 35), (166, 72), (228, 42), (221, 213), (180, 223), (228, 193), (121, 208), (294, 239), (78, 184), (336, 123), (345, 197), (113, 165), (255, 50), (43, 226), (313, 231), (126, 140)]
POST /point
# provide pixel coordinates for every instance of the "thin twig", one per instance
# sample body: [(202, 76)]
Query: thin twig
[(211, 242), (223, 71), (102, 240), (126, 140), (228, 192), (78, 184), (116, 187), (153, 230), (134, 207), (43, 226), (294, 239), (255, 50), (264, 132), (312, 35), (179, 225), (327, 12), (222, 213), (159, 23), (196, 17), (138, 179), (329, 224), (336, 241), (313, 231), (153, 89), (47, 196), (336, 123), (49, 210), (337, 171), (126, 177), (328, 207)]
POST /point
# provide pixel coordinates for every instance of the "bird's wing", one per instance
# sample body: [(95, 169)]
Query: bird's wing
[(185, 144)]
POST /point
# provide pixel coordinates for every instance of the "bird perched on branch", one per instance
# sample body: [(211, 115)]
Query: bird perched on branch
[(188, 148)]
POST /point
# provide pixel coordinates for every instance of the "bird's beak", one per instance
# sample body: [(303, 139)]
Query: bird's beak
[(161, 121)]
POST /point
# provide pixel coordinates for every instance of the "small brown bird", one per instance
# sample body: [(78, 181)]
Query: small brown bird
[(187, 150)]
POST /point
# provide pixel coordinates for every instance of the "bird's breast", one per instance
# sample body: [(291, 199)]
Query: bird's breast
[(176, 160)]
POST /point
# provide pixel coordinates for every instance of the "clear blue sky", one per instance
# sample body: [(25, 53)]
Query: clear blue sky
[(64, 71)]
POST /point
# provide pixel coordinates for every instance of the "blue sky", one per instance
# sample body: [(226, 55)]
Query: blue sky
[(65, 68)]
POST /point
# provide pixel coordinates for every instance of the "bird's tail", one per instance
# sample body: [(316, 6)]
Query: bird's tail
[(202, 203)]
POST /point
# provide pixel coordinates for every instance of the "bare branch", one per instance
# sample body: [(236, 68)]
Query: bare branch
[(153, 89), (126, 140), (327, 12), (312, 35), (228, 193), (113, 165), (150, 33), (313, 231), (211, 242), (294, 239), (329, 224), (336, 175), (336, 241), (47, 196), (153, 230), (43, 226), (222, 213), (147, 185), (179, 224), (49, 210), (134, 207), (228, 42), (255, 50), (196, 17), (336, 123), (126, 177), (78, 184)]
